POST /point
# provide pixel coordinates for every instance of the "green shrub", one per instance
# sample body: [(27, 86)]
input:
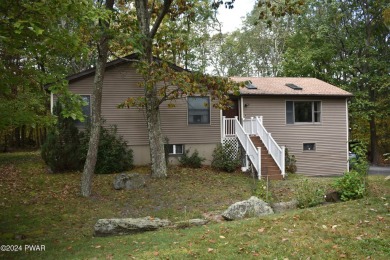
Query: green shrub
[(290, 162), (262, 191), (351, 186), (225, 158), (113, 155), (309, 194), (65, 148), (61, 150), (193, 161)]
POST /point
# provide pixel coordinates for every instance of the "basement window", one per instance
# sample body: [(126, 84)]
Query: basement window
[(175, 149), (309, 146)]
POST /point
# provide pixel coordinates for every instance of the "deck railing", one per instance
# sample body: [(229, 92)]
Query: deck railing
[(232, 127), (254, 126)]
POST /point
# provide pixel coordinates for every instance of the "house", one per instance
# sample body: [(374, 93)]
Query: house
[(306, 115)]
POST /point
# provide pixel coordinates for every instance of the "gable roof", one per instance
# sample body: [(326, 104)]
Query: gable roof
[(112, 64), (285, 86)]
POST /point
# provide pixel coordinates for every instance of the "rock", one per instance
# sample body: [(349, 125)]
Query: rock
[(129, 181), (198, 222), (253, 207), (126, 226), (191, 223), (284, 206), (213, 216), (333, 196)]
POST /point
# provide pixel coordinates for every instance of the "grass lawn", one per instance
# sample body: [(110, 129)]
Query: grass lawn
[(38, 208)]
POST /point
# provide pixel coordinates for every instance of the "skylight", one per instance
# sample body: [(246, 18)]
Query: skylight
[(293, 86), (249, 85)]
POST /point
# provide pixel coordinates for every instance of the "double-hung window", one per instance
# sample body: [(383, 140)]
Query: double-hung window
[(303, 112), (198, 110)]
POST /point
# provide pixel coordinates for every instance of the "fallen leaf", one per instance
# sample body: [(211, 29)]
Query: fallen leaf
[(260, 230), (342, 256), (359, 238), (98, 246), (221, 237), (334, 226), (156, 253), (284, 239), (380, 218), (210, 250), (324, 227)]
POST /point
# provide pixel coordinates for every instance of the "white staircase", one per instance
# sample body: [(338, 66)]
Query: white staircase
[(233, 130)]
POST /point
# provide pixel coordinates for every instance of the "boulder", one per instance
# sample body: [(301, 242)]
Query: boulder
[(129, 181), (333, 196), (126, 226), (284, 206), (191, 223), (253, 207)]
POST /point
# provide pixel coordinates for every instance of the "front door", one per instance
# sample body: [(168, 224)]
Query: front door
[(232, 111)]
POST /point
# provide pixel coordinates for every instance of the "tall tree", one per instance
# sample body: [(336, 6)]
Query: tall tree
[(347, 43), (39, 39), (102, 47)]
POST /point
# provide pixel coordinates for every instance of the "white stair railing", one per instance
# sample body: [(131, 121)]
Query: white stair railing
[(231, 126), (255, 126)]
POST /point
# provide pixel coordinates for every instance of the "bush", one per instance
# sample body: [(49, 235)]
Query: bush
[(61, 150), (225, 158), (113, 155), (65, 149), (193, 161), (351, 186), (262, 191), (290, 162), (309, 194)]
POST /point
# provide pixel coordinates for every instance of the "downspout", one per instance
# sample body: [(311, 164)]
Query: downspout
[(222, 125), (347, 126), (241, 109)]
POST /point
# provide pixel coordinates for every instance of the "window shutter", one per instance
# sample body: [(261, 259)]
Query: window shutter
[(289, 112)]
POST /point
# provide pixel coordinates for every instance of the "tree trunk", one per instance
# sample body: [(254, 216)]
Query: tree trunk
[(156, 141), (375, 157), (90, 163)]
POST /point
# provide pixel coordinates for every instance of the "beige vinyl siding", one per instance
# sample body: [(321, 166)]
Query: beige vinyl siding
[(330, 136), (122, 82), (174, 123)]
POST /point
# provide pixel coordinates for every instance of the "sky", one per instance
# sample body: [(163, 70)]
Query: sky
[(231, 18)]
